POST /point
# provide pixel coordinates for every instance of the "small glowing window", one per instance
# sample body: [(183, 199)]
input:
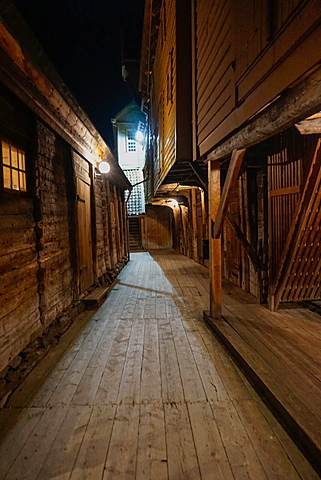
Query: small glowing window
[(13, 167), (131, 143)]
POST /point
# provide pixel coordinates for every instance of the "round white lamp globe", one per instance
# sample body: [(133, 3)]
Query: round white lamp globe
[(104, 167)]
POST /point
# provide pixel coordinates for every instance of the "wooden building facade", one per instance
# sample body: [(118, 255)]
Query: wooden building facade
[(63, 227), (247, 78)]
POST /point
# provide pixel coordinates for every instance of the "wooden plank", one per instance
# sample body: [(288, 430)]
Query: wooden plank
[(182, 459), (172, 389), (151, 373), (33, 454), (63, 448), (229, 184), (129, 388), (152, 448), (91, 456), (286, 403), (241, 454), (192, 384), (23, 422), (110, 381), (210, 449), (285, 191), (122, 451)]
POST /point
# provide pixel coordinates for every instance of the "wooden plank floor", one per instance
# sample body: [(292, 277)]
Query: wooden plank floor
[(281, 352), (141, 389)]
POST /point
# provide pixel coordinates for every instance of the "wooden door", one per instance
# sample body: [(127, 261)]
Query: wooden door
[(84, 235)]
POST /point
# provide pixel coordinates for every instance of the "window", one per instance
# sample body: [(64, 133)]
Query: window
[(131, 144), (13, 167)]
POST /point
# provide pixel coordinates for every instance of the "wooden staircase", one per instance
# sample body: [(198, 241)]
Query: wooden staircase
[(135, 237)]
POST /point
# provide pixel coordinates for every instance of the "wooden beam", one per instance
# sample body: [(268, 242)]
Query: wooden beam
[(232, 174), (200, 175), (285, 191), (309, 126), (296, 104), (215, 244), (250, 250)]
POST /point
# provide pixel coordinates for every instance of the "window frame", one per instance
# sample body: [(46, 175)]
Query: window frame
[(17, 168), (131, 141)]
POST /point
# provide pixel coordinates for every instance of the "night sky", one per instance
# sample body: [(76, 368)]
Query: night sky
[(85, 41)]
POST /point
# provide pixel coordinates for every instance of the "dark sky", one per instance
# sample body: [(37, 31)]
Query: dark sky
[(84, 39)]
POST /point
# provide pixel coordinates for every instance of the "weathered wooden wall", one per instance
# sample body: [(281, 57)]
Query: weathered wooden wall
[(246, 54), (63, 236), (164, 93), (19, 299), (157, 227), (215, 95), (170, 101), (52, 225), (191, 225), (248, 210)]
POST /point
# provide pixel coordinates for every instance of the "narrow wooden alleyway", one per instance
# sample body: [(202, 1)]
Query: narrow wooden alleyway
[(141, 389)]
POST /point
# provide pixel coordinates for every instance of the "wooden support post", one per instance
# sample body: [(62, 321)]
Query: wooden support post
[(215, 243), (194, 225)]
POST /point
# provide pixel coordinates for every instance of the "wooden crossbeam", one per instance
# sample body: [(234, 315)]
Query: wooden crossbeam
[(200, 175), (280, 115), (231, 178), (250, 250), (297, 228)]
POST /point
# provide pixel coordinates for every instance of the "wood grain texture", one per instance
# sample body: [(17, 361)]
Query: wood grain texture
[(142, 390)]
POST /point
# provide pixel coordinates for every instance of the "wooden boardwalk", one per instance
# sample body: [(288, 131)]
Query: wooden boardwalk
[(141, 389), (281, 353)]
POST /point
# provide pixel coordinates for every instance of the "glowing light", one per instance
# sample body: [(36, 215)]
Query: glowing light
[(104, 167), (139, 136), (174, 203)]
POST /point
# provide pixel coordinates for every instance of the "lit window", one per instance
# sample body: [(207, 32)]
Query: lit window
[(131, 144), (13, 167)]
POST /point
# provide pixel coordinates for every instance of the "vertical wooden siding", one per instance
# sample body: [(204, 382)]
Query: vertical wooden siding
[(157, 227), (295, 218), (287, 168), (247, 209), (191, 225)]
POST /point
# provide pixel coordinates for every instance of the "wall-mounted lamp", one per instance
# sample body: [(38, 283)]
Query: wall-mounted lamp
[(139, 136), (104, 167)]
